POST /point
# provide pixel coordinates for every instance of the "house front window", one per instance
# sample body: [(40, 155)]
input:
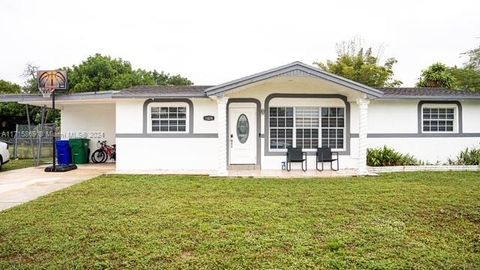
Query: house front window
[(333, 127), (439, 118), (168, 118), (281, 127), (307, 127)]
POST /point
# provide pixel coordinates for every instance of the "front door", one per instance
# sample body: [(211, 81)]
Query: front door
[(243, 133)]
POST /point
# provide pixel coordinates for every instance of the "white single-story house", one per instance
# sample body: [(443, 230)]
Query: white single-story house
[(252, 120)]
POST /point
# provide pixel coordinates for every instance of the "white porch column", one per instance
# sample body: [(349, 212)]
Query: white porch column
[(362, 135), (222, 136)]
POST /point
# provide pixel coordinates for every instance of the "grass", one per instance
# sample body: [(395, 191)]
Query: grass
[(395, 221), (25, 151), (14, 164)]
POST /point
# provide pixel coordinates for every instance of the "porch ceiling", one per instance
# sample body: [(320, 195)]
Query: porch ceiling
[(294, 85)]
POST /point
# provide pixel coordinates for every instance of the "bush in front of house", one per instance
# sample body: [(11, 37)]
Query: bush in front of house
[(469, 156), (384, 156)]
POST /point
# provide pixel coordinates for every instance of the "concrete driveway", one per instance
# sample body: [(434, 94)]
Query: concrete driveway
[(23, 185)]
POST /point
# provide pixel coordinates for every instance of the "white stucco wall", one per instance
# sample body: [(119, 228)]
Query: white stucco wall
[(401, 117), (93, 121), (145, 152), (431, 150), (189, 155), (129, 115), (471, 116), (142, 152), (392, 116)]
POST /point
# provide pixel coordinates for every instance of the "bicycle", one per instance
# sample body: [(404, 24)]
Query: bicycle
[(104, 152)]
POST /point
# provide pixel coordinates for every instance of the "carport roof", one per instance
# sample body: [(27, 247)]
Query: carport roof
[(26, 98)]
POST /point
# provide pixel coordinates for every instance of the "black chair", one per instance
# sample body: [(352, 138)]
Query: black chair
[(296, 155), (324, 154)]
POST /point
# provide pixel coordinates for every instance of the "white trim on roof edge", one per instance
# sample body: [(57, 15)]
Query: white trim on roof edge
[(292, 68)]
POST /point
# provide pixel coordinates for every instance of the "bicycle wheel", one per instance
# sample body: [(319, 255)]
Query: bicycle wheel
[(99, 156)]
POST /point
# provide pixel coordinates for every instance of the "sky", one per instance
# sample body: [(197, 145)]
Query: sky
[(212, 42)]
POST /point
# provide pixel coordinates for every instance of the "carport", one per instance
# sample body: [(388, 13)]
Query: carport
[(95, 121)]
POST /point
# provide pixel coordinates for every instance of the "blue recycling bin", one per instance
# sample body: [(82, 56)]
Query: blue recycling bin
[(64, 154)]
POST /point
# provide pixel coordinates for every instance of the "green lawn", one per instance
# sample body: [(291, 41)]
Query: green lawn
[(395, 221), (14, 164)]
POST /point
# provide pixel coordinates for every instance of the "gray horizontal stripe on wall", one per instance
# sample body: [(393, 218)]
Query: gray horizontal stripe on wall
[(417, 135), (170, 135)]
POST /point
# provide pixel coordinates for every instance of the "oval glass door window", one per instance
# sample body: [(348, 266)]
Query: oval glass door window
[(242, 128)]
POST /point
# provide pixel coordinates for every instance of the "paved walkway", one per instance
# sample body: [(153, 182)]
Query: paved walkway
[(23, 185), (311, 173)]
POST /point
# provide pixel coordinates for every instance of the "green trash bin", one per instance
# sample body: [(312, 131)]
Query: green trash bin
[(80, 150)]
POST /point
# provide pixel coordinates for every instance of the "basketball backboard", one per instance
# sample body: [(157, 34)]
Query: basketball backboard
[(51, 80)]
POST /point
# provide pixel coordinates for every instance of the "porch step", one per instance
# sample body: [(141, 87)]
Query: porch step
[(244, 167)]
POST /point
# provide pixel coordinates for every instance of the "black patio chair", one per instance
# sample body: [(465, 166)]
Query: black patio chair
[(325, 154), (296, 155)]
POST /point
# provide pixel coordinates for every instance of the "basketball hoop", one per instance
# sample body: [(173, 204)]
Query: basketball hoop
[(50, 81), (46, 92)]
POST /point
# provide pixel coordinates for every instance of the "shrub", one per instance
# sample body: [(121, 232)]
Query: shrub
[(385, 156), (467, 157)]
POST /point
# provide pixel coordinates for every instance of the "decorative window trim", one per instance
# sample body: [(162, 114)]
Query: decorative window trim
[(146, 117), (167, 105), (458, 121)]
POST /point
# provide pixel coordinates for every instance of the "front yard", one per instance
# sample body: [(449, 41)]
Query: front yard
[(410, 220), (15, 164)]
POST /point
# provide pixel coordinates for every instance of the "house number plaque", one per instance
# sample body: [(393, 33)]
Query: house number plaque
[(209, 118)]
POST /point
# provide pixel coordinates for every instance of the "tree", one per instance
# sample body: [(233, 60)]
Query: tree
[(359, 64), (467, 79), (162, 78), (30, 75), (11, 113), (9, 88), (99, 73), (437, 75), (473, 59)]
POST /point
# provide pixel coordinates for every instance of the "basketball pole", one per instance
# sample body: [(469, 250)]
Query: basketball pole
[(49, 81), (54, 132)]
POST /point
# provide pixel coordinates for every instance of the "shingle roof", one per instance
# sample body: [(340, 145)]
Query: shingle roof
[(426, 92), (163, 91), (199, 91)]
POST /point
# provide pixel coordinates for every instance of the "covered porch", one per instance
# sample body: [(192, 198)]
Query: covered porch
[(288, 107)]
